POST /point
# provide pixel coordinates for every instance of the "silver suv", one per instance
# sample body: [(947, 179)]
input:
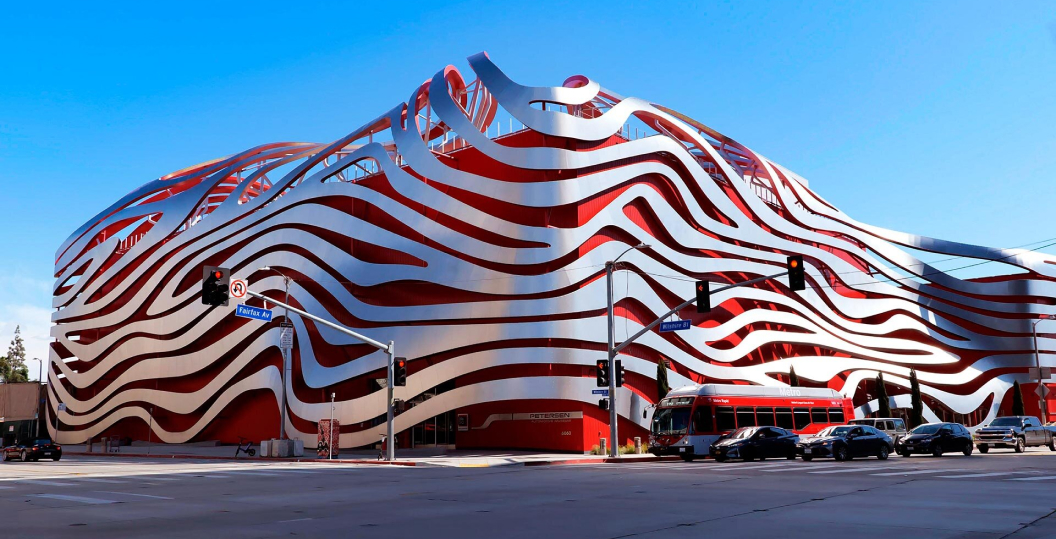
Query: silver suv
[(892, 426)]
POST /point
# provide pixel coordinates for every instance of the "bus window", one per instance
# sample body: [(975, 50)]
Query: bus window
[(818, 416), (765, 417), (702, 420), (745, 416), (724, 418), (784, 418), (802, 418), (836, 416)]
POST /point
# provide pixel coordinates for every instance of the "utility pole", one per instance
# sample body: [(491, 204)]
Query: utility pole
[(614, 449), (330, 435), (390, 349), (40, 387), (284, 372), (1037, 362)]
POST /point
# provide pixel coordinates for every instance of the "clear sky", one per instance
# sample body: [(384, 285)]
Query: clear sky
[(936, 118)]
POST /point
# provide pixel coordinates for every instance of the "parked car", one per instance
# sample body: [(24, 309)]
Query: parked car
[(750, 443), (895, 427), (936, 439), (33, 450), (1016, 431), (845, 442)]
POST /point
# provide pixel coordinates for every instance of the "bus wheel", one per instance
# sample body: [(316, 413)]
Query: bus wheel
[(688, 457)]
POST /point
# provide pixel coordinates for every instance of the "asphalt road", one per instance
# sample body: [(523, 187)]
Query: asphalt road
[(982, 496)]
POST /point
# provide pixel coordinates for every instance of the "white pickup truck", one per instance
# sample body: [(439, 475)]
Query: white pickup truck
[(1016, 431)]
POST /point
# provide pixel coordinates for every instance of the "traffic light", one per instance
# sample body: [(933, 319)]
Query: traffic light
[(618, 372), (603, 373), (603, 404), (399, 372), (215, 284), (796, 280), (703, 297)]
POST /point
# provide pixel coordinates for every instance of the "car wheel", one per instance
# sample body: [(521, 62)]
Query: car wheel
[(808, 458), (967, 449), (841, 454), (1052, 445), (720, 458), (747, 456), (983, 448), (936, 451), (791, 454), (905, 453), (56, 459), (1020, 445), (882, 455), (685, 457), (22, 456)]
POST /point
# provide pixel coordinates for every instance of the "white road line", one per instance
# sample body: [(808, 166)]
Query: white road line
[(156, 478), (1042, 478), (214, 476), (918, 472), (6, 487), (292, 471), (43, 482), (735, 467), (240, 472), (137, 495), (797, 467), (294, 520), (846, 470), (98, 480), (81, 499), (972, 475)]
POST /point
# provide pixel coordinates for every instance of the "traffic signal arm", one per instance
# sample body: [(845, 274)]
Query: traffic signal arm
[(685, 304)]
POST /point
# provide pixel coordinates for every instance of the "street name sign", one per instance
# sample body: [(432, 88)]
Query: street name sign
[(677, 325), (604, 392), (256, 313)]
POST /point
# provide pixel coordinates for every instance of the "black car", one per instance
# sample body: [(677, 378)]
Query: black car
[(750, 443), (845, 442), (41, 448), (936, 439)]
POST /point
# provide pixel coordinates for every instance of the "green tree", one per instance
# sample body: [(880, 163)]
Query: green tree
[(1017, 399), (14, 367), (662, 387), (884, 409), (916, 414), (793, 378)]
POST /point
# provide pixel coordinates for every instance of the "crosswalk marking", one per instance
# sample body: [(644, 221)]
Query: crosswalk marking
[(43, 482), (156, 478), (136, 495), (98, 480), (917, 472), (240, 472), (971, 475), (796, 467), (1042, 478), (845, 470), (81, 499)]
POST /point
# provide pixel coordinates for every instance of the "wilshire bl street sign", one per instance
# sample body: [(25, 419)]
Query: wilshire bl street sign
[(677, 325)]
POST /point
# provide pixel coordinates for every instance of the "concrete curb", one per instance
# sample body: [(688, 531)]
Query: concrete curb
[(239, 459), (608, 460)]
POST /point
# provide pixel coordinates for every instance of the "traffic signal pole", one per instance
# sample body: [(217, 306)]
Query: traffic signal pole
[(389, 349)]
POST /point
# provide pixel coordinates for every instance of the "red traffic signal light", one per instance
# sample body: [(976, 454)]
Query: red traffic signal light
[(796, 278), (603, 373), (399, 371), (703, 297)]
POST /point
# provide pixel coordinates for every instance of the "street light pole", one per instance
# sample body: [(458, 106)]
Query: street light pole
[(614, 449), (40, 385), (1037, 361), (284, 372)]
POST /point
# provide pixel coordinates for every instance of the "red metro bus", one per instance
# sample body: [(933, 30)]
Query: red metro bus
[(691, 418)]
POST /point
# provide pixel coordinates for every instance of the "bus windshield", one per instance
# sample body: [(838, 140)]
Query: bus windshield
[(667, 421)]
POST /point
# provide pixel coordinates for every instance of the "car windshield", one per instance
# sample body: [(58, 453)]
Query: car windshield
[(41, 442), (1007, 422), (930, 428), (668, 421), (835, 431), (742, 433)]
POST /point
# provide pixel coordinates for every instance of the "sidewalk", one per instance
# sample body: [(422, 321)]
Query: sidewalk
[(405, 457)]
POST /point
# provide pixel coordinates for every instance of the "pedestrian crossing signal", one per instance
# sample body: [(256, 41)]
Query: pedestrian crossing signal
[(796, 279), (603, 373)]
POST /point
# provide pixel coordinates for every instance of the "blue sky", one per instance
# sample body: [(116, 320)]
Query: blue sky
[(934, 118)]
